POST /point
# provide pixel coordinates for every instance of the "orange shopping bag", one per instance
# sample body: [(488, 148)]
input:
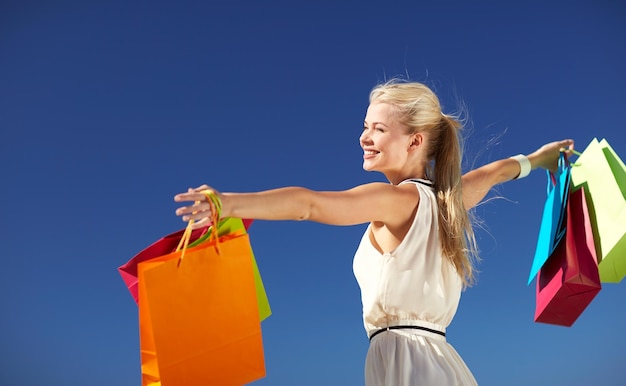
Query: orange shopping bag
[(198, 316)]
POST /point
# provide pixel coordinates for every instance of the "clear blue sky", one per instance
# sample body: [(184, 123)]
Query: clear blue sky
[(109, 108)]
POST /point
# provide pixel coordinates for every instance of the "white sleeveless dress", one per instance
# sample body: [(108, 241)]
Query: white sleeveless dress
[(412, 285)]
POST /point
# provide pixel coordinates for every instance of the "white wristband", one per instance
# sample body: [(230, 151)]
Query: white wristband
[(524, 164)]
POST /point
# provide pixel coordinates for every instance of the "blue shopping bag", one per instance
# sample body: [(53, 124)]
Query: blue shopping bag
[(552, 227)]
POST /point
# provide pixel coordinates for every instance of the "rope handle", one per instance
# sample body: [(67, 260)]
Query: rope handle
[(215, 205), (576, 153)]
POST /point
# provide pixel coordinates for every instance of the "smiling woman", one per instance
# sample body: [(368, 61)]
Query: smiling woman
[(418, 250)]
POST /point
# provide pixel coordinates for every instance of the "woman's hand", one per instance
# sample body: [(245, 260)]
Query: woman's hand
[(200, 210), (547, 156)]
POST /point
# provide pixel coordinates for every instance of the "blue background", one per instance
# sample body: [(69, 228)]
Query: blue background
[(109, 108)]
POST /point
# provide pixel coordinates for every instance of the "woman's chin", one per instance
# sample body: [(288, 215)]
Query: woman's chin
[(369, 168)]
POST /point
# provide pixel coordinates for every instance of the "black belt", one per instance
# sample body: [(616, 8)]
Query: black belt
[(405, 327)]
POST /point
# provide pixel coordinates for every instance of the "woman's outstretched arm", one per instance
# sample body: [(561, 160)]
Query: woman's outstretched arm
[(478, 182), (392, 205)]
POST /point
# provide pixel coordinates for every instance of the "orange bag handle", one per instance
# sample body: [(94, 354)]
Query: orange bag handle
[(215, 205)]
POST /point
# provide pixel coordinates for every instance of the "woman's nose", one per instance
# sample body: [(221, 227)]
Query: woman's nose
[(364, 137)]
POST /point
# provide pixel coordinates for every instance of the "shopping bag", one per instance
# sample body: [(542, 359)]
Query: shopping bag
[(199, 319), (163, 246), (552, 227), (569, 280), (230, 225), (168, 244), (600, 170)]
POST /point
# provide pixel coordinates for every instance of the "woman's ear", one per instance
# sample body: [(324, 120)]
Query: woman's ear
[(416, 141)]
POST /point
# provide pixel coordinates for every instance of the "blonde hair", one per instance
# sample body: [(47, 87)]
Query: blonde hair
[(418, 108)]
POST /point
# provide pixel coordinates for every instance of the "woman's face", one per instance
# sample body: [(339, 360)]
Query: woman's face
[(384, 140)]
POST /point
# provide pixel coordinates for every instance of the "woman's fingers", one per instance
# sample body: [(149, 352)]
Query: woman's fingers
[(201, 188), (200, 211), (193, 194), (201, 223), (197, 216), (566, 145), (190, 196), (199, 206)]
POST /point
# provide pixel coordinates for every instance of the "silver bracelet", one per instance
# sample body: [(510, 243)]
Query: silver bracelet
[(524, 164)]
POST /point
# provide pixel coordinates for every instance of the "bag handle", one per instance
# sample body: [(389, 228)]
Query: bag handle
[(578, 154), (215, 204), (563, 164)]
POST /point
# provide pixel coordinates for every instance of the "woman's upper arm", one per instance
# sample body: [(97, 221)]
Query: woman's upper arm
[(390, 204)]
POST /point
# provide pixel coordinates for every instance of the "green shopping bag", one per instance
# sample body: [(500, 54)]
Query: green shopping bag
[(600, 170)]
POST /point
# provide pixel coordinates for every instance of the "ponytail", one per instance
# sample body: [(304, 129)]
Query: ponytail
[(458, 243)]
